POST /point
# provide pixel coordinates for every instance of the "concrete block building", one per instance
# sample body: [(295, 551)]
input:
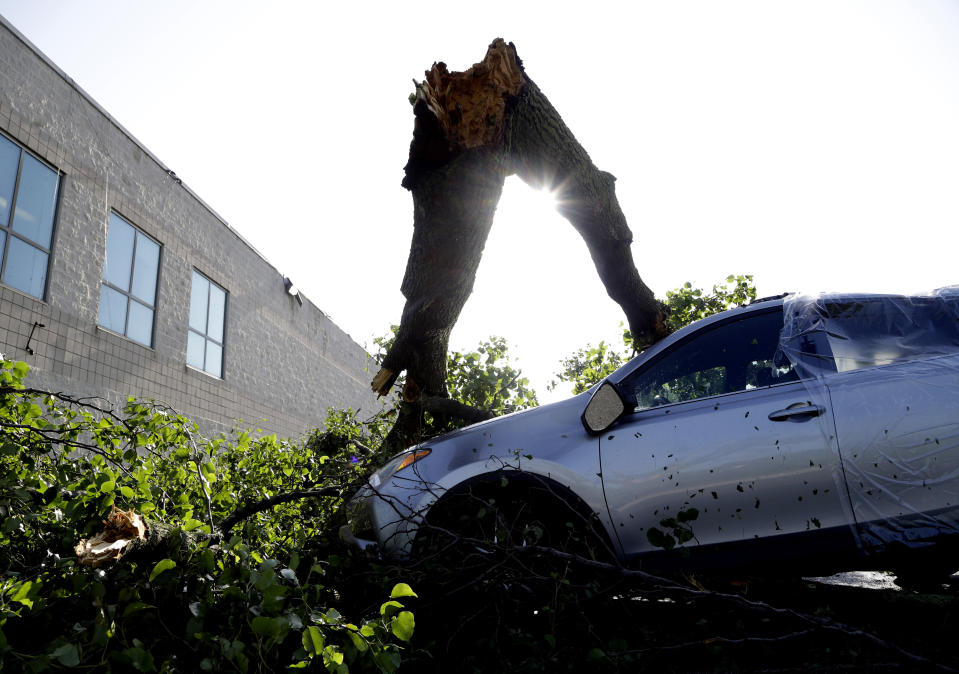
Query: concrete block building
[(117, 280)]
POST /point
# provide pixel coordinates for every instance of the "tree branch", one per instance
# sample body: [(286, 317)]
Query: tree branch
[(454, 408), (267, 503), (819, 622)]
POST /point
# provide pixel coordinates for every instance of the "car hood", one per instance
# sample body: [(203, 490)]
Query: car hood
[(552, 415)]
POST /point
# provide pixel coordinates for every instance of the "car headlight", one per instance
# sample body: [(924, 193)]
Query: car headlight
[(396, 464)]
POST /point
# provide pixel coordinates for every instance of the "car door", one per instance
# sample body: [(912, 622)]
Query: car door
[(895, 392), (722, 427), (899, 438)]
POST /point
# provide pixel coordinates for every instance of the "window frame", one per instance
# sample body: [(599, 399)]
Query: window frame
[(207, 339), (8, 232), (629, 391), (129, 294)]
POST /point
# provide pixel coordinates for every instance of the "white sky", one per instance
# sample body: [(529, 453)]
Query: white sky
[(813, 144)]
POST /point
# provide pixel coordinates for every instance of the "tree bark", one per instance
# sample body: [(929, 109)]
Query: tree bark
[(407, 430), (472, 130), (544, 153), (453, 207)]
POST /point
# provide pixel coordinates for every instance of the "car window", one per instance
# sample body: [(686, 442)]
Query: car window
[(734, 356), (879, 332), (828, 334)]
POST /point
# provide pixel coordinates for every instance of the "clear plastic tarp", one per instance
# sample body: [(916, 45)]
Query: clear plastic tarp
[(889, 365)]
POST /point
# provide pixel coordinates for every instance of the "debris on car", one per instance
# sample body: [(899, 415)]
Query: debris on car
[(815, 432)]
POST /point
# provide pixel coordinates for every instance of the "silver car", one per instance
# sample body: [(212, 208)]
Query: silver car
[(810, 432)]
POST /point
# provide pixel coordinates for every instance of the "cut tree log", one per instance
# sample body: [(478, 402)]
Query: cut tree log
[(472, 130)]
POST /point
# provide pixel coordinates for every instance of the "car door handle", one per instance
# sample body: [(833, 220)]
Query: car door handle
[(796, 410)]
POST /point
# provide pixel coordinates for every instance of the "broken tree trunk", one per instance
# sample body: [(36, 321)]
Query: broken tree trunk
[(472, 130)]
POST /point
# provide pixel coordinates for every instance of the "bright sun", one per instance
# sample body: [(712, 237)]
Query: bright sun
[(537, 287), (523, 202)]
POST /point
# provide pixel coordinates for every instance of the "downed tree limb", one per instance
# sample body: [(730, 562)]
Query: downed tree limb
[(127, 533), (447, 407), (472, 130), (135, 540), (268, 503), (407, 430)]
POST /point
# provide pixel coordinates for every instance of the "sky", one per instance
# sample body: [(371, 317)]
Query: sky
[(812, 144)]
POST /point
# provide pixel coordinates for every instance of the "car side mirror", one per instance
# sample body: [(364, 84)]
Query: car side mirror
[(603, 409)]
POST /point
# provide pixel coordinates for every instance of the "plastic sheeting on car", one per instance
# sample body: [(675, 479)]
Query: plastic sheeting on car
[(890, 367)]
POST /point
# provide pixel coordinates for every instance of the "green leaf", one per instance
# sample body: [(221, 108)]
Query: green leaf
[(387, 605), (108, 486), (22, 595), (126, 491), (402, 625), (141, 660), (387, 661), (595, 655), (359, 643), (264, 580), (658, 539), (312, 640), (161, 566), (332, 656), (67, 655), (206, 560), (688, 515), (273, 597), (266, 627), (402, 590), (136, 607)]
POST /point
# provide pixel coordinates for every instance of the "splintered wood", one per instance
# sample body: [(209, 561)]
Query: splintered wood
[(122, 527), (471, 105)]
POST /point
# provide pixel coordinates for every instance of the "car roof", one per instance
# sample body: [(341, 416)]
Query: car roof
[(771, 302)]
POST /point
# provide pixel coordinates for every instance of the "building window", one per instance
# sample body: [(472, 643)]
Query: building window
[(128, 293), (204, 347), (28, 201)]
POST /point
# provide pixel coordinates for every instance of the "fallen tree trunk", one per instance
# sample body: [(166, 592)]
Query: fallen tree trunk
[(472, 130)]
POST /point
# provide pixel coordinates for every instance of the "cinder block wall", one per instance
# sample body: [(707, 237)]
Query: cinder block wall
[(284, 363)]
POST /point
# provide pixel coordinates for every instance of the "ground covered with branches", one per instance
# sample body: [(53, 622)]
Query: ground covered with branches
[(277, 589), (261, 595)]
